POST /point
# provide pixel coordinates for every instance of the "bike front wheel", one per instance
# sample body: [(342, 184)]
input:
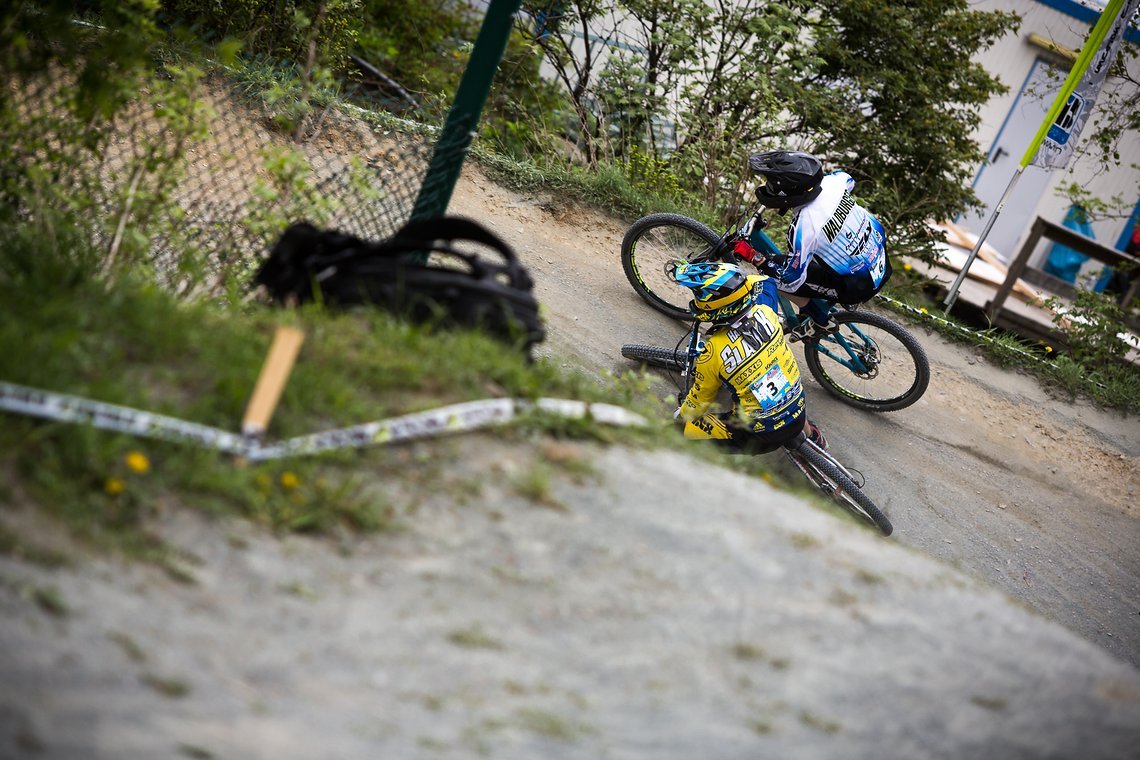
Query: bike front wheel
[(831, 478), (870, 362), (652, 242)]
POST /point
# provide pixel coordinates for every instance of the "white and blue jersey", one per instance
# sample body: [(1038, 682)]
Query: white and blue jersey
[(843, 234)]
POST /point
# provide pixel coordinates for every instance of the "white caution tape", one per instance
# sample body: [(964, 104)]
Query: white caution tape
[(455, 418), (973, 335), (121, 419)]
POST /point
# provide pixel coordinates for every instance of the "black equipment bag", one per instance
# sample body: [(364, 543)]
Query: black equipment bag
[(458, 286)]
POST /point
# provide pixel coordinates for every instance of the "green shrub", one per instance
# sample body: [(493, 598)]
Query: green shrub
[(277, 28), (1091, 325)]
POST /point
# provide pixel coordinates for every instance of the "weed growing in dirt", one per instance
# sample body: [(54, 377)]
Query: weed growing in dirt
[(804, 541), (550, 725), (172, 688), (129, 646), (819, 723), (534, 485), (996, 704), (473, 637), (50, 600)]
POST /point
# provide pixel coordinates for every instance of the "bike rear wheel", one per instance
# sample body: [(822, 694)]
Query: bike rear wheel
[(655, 356), (870, 362), (830, 477), (653, 241)]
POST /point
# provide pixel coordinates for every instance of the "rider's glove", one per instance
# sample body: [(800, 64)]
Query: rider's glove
[(744, 250), (768, 267)]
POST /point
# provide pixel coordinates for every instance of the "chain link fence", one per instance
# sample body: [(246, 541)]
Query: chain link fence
[(200, 173)]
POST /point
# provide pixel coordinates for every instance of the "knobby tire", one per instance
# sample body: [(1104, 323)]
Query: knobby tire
[(864, 393), (655, 356), (829, 476), (653, 240), (849, 494)]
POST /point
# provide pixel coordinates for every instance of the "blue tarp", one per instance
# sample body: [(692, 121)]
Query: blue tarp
[(1064, 262)]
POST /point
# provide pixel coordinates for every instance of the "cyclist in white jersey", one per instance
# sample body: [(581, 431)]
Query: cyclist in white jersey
[(836, 248)]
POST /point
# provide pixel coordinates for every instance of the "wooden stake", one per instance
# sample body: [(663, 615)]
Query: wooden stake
[(278, 364)]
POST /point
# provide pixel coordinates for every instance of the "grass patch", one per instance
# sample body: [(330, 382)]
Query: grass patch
[(130, 647), (751, 652), (1115, 385), (867, 577), (300, 590), (995, 704), (820, 724), (473, 637), (550, 725), (805, 541), (745, 651), (172, 688), (534, 484), (607, 187), (50, 600), (568, 458), (63, 329), (843, 598)]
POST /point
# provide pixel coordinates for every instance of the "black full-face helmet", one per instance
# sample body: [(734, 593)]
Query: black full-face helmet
[(791, 178)]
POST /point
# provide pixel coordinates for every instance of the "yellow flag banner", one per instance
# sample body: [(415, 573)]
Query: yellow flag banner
[(1053, 145)]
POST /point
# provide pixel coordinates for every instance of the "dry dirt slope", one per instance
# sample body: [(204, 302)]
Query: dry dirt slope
[(1036, 494), (626, 617)]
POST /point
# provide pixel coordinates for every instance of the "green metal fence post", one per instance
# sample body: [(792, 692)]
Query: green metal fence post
[(455, 138)]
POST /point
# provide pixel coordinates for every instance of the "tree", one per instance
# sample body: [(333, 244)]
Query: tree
[(895, 101), (574, 38), (885, 89)]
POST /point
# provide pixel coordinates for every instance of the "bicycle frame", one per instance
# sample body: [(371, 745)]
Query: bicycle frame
[(850, 354), (753, 230), (813, 461)]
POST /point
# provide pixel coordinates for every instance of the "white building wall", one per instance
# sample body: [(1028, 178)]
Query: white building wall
[(1011, 60)]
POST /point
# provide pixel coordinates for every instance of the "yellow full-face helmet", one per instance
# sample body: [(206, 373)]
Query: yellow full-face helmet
[(720, 291)]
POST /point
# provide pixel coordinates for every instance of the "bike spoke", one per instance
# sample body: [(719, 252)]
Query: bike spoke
[(868, 363), (656, 247)]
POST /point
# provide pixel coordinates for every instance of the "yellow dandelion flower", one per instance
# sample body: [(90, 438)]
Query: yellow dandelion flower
[(114, 486), (1048, 349), (923, 310), (289, 480), (906, 267), (137, 462)]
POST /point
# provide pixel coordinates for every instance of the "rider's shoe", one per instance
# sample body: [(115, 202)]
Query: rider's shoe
[(809, 329), (815, 435)]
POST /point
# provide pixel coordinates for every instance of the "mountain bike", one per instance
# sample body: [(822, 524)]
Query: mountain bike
[(820, 468), (869, 362)]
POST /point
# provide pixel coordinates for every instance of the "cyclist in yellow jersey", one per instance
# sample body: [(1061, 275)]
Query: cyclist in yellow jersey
[(745, 352)]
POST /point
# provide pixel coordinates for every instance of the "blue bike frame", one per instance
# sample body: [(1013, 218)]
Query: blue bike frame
[(759, 240)]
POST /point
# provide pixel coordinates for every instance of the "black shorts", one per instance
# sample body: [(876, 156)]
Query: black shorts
[(824, 282), (746, 441)]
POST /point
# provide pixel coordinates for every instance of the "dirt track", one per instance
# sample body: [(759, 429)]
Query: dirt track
[(1039, 496), (626, 614)]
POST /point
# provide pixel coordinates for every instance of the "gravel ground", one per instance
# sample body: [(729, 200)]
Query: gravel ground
[(642, 606)]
